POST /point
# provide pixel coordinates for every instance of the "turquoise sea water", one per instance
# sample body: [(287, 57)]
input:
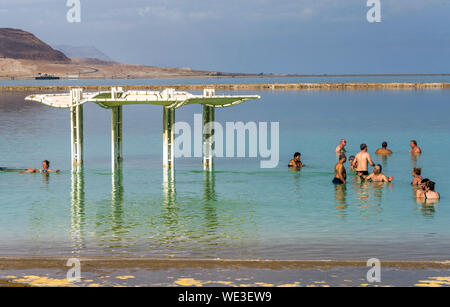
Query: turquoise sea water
[(239, 210)]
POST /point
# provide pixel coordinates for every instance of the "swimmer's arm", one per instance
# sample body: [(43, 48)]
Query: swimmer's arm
[(29, 171), (367, 178), (53, 171)]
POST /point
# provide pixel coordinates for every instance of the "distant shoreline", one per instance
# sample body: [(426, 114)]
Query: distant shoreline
[(221, 75), (232, 87)]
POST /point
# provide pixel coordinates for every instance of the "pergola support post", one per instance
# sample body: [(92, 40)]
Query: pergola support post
[(76, 127), (208, 137), (168, 138), (116, 137)]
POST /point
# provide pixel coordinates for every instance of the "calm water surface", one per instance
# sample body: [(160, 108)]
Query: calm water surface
[(239, 210)]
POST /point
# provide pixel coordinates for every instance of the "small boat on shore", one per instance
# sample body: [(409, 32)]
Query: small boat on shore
[(47, 77)]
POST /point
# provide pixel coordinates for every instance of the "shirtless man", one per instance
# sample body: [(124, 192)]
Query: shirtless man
[(361, 160), (296, 163), (341, 147), (45, 169), (340, 175), (383, 150), (414, 148), (378, 176)]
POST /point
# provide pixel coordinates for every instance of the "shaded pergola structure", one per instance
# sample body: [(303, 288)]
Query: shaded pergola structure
[(169, 99)]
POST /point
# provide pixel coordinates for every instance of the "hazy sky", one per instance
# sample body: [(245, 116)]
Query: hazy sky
[(278, 36)]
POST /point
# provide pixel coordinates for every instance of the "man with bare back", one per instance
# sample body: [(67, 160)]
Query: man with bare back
[(362, 159)]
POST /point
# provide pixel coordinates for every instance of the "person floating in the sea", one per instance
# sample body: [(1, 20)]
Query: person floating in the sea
[(428, 191), (361, 160), (378, 176), (415, 149), (416, 173), (340, 175), (383, 150), (45, 169), (341, 147), (296, 162)]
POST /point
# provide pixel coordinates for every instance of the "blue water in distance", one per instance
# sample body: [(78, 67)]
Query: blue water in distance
[(239, 210)]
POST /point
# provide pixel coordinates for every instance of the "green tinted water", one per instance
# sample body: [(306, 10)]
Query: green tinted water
[(240, 210)]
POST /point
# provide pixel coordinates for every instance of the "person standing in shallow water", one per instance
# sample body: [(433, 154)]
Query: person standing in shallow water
[(383, 150), (341, 147), (415, 149), (296, 162), (340, 175), (416, 173), (362, 159)]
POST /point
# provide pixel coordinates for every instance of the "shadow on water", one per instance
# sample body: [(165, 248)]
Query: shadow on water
[(209, 201), (414, 159), (384, 159), (427, 207), (370, 196), (117, 203), (170, 211), (340, 194), (78, 211)]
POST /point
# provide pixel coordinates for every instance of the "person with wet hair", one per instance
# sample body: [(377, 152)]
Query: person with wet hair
[(296, 162), (45, 169), (378, 176)]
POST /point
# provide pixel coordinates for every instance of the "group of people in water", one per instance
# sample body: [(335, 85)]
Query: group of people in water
[(360, 165)]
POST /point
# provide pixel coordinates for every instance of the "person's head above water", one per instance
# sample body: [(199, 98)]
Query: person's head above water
[(363, 147), (417, 171), (430, 185), (46, 164), (343, 142), (342, 158), (384, 145), (413, 143), (378, 169), (423, 183), (297, 156)]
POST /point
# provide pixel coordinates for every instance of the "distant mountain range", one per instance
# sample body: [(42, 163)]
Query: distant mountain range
[(24, 56), (18, 44), (83, 52)]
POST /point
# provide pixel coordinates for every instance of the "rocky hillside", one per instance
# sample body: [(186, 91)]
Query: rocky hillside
[(18, 44)]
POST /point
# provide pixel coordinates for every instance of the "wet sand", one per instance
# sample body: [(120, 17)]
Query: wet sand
[(224, 273)]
